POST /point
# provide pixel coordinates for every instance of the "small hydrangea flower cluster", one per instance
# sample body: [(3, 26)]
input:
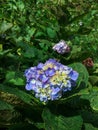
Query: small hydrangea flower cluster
[(61, 47), (50, 80)]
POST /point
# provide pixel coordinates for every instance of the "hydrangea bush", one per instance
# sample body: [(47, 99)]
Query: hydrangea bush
[(60, 93), (50, 80)]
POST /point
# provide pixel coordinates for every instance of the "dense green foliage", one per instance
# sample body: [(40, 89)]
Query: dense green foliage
[(28, 31)]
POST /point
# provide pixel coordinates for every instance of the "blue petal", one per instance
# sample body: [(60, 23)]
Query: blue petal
[(43, 98), (30, 73), (73, 75), (56, 93), (50, 61), (28, 87), (43, 78), (50, 72), (40, 66)]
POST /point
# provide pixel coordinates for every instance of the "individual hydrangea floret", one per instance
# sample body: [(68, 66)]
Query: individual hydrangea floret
[(61, 47), (50, 80)]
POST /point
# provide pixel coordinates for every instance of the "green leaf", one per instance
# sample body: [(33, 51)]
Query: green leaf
[(38, 34), (5, 106), (53, 122), (83, 73), (93, 79), (12, 78), (31, 31), (92, 97), (39, 125), (96, 68), (10, 75), (20, 5), (94, 102), (51, 33), (1, 47), (17, 81), (74, 52), (22, 19), (27, 98), (44, 41), (30, 53), (5, 26), (90, 127), (2, 53)]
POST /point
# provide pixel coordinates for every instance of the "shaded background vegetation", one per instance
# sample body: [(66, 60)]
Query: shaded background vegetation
[(28, 31)]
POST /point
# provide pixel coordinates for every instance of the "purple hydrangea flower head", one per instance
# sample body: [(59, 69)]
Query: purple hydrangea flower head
[(61, 47), (50, 80)]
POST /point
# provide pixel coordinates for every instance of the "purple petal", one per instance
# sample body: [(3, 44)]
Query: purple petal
[(50, 72), (43, 78), (56, 93), (53, 61), (30, 73), (35, 88), (28, 87), (73, 75), (40, 66)]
